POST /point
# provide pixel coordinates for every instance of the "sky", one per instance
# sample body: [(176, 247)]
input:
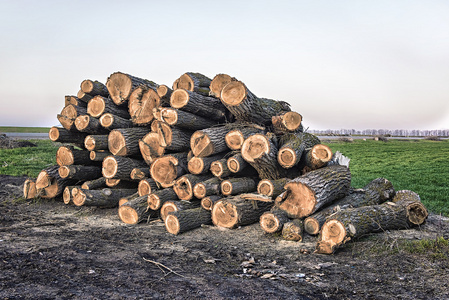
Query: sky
[(340, 64)]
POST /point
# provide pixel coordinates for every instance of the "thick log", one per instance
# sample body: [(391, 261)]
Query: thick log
[(272, 188), (184, 185), (121, 85), (184, 119), (136, 211), (173, 206), (306, 194), (110, 121), (172, 138), (293, 146), (69, 193), (236, 137), (273, 221), (376, 192), (125, 141), (150, 147), (147, 186), (99, 105), (62, 135), (260, 152), (140, 173), (234, 186), (219, 168), (80, 172), (68, 155), (90, 125), (208, 187), (141, 103), (209, 141), (293, 230), (201, 165), (318, 157), (218, 83), (74, 101), (94, 87), (94, 184), (194, 82), (208, 202), (406, 195), (198, 104), (247, 107), (69, 114), (164, 93), (121, 183), (287, 122), (119, 167), (156, 199), (98, 156), (84, 96), (185, 220), (166, 169), (352, 223), (96, 142), (234, 211), (106, 198)]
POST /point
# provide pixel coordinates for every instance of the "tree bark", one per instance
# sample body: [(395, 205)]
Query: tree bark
[(96, 142), (236, 163), (219, 168), (69, 114), (74, 101), (272, 188), (208, 202), (209, 141), (194, 82), (147, 186), (287, 122), (185, 220), (157, 198), (125, 141), (318, 157), (141, 103), (119, 167), (405, 195), (236, 137), (80, 172), (135, 211), (50, 184), (172, 138), (164, 93), (94, 184), (273, 221), (184, 119), (306, 194), (166, 169), (183, 186), (201, 165), (218, 83), (90, 125), (68, 155), (293, 146), (140, 173), (106, 198), (94, 88), (293, 230), (121, 183), (110, 121), (83, 96), (234, 186), (173, 206), (69, 193), (198, 104), (208, 187), (62, 135), (98, 156), (125, 199), (100, 105), (121, 85)]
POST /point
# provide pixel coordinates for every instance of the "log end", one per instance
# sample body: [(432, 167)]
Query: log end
[(224, 214), (110, 167), (117, 143), (128, 215), (201, 144), (64, 171), (183, 188), (172, 224), (233, 165), (169, 116), (144, 188), (29, 189), (234, 139), (154, 202), (64, 156), (207, 203), (218, 83), (199, 190), (53, 134), (417, 213), (254, 147), (106, 120), (291, 231), (82, 122), (333, 234), (311, 226), (195, 165), (164, 170), (96, 106), (167, 208), (287, 157), (179, 98), (269, 222), (226, 187), (265, 187), (162, 90), (67, 195), (80, 198), (298, 200), (216, 168), (119, 86), (233, 93)]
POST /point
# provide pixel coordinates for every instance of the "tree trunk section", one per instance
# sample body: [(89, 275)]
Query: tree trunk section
[(166, 169), (208, 202), (90, 125), (121, 85), (293, 147), (135, 211), (164, 93), (209, 141), (80, 172), (194, 82), (208, 187), (96, 142), (157, 198), (272, 188), (69, 193), (183, 186), (101, 105), (184, 119), (94, 87), (173, 206), (219, 168), (140, 173), (68, 155), (201, 165), (172, 138), (141, 103), (273, 221), (318, 157), (74, 101), (110, 122), (150, 147), (84, 96), (234, 186), (98, 156), (185, 220), (198, 104), (119, 167), (406, 195), (94, 184), (106, 198), (147, 186), (29, 189), (125, 141), (236, 137), (218, 83), (287, 122), (62, 135), (69, 114)]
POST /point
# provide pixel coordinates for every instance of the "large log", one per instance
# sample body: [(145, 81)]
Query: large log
[(184, 185), (352, 223), (208, 187), (119, 167), (306, 194), (141, 103), (194, 82), (94, 87), (287, 122), (125, 141), (272, 188), (62, 135), (173, 206), (166, 169), (184, 119), (156, 199), (209, 141), (96, 142), (376, 192), (185, 220), (218, 83), (135, 211), (68, 115), (110, 121), (236, 137), (106, 198), (273, 221), (234, 186), (201, 165), (90, 125), (235, 211), (121, 85), (99, 105), (147, 186), (293, 146), (245, 106), (80, 172), (68, 155), (198, 104)]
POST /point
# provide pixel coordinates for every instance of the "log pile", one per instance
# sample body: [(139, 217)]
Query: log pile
[(209, 151)]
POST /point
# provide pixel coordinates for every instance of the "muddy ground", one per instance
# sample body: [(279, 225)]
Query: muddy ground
[(57, 251)]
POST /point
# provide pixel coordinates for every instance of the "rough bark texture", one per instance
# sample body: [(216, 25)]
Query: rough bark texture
[(273, 221), (121, 85), (272, 188), (234, 186), (406, 195), (147, 186), (125, 199), (185, 220), (164, 93), (84, 96), (135, 211), (121, 183), (49, 184), (140, 173), (208, 187), (218, 83), (141, 103), (94, 184), (119, 167), (80, 172), (236, 163), (219, 168), (98, 156), (172, 138), (184, 119), (209, 201), (68, 155), (101, 198), (201, 165), (318, 157), (306, 194), (194, 82), (198, 104), (173, 206), (287, 122), (184, 185), (166, 169), (74, 101), (90, 125), (209, 141), (157, 198), (125, 141), (293, 230), (293, 146), (99, 105), (110, 121), (96, 142), (62, 135), (94, 87)]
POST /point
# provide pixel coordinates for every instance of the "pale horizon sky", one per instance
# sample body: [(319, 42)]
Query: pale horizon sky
[(341, 64)]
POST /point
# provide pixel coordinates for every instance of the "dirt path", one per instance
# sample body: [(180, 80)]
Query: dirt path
[(51, 250)]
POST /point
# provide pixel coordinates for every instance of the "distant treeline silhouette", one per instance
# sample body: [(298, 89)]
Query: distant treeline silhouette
[(385, 132)]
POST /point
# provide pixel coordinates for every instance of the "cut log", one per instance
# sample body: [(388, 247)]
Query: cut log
[(287, 122), (98, 156), (74, 101), (272, 188), (201, 165), (208, 187), (164, 93), (121, 183), (293, 230), (110, 121), (184, 119), (318, 157), (96, 142), (406, 195), (236, 163), (99, 105), (83, 96), (376, 192), (140, 173), (183, 186), (80, 172), (172, 138), (208, 202), (125, 199), (106, 198), (136, 211), (29, 189), (68, 155), (232, 212), (234, 186), (94, 184), (166, 169), (173, 206), (94, 87), (50, 185), (306, 194), (157, 198), (62, 135), (125, 141), (352, 223), (69, 114), (185, 220), (293, 147), (45, 176), (194, 82), (147, 186), (219, 168), (141, 103), (209, 141), (67, 195), (119, 167), (150, 147), (121, 85), (236, 137), (90, 125), (260, 152), (245, 106), (273, 221), (218, 83), (198, 104)]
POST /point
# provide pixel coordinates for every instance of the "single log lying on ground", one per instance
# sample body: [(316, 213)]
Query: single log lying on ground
[(125, 141), (156, 199), (174, 205), (69, 114), (293, 230), (287, 122), (62, 135), (164, 92), (306, 194), (119, 167), (96, 142), (141, 103), (74, 101), (185, 220), (194, 82), (235, 211), (94, 184), (94, 87), (234, 186), (147, 186), (68, 155), (208, 187), (352, 223), (198, 104), (135, 211), (219, 168), (208, 202), (166, 169), (121, 85), (101, 198), (110, 121), (184, 119), (273, 221), (293, 146), (376, 192), (218, 83), (245, 106), (236, 137), (99, 105), (209, 141), (272, 188), (184, 185), (201, 165), (80, 172)]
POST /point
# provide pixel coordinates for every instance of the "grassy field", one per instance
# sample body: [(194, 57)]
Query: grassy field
[(24, 129)]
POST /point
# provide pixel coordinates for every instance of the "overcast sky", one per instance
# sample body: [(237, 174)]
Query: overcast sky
[(341, 64)]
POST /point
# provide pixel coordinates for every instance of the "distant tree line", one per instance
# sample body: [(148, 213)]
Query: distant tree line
[(385, 132)]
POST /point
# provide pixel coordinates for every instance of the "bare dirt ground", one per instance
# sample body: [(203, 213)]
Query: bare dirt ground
[(49, 250)]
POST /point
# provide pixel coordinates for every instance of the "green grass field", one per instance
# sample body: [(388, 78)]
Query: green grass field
[(24, 129)]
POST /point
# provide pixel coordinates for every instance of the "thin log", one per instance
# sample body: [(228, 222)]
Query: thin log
[(94, 87), (184, 119), (208, 202), (50, 184), (141, 103), (173, 206), (208, 187), (140, 173), (198, 104), (136, 211), (90, 125), (96, 142), (293, 230), (293, 146), (318, 157), (166, 169), (94, 184), (194, 82), (185, 220), (219, 168), (68, 155), (209, 141), (80, 172), (234, 186), (62, 135), (184, 185), (164, 93), (272, 188), (74, 101), (29, 189), (84, 96), (125, 141), (68, 194), (236, 163), (119, 167), (273, 221), (201, 165), (121, 85), (106, 198), (236, 137), (98, 156), (69, 114), (156, 199), (147, 186), (110, 121)]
